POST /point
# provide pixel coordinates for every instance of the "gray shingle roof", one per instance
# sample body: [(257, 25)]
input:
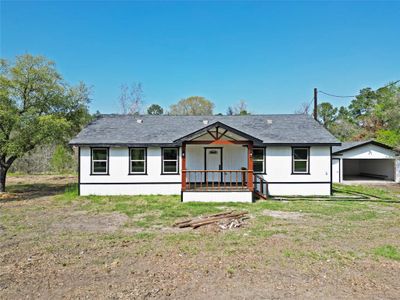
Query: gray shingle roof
[(125, 130), (350, 145)]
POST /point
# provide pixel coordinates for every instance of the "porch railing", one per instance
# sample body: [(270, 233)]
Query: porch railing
[(217, 180), (260, 186)]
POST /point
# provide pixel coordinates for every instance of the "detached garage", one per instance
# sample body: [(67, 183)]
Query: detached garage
[(365, 161)]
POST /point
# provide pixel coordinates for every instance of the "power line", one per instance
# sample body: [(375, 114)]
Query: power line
[(337, 96), (341, 96)]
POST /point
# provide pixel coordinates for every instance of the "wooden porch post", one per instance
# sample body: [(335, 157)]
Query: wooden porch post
[(183, 166), (250, 166)]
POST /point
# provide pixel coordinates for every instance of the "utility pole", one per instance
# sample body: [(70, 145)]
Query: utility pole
[(315, 104)]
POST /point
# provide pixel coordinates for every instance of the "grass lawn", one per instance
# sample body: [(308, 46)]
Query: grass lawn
[(54, 243)]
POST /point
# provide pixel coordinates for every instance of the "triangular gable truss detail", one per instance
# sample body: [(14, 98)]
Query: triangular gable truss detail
[(219, 133)]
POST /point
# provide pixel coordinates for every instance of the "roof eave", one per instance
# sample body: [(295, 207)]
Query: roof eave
[(174, 144), (303, 144)]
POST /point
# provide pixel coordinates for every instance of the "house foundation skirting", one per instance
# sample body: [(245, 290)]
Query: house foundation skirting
[(299, 188), (125, 188), (217, 196), (174, 188)]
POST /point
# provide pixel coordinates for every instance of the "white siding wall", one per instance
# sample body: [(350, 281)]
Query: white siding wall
[(279, 172), (336, 170), (303, 189), (397, 164), (278, 169), (119, 173)]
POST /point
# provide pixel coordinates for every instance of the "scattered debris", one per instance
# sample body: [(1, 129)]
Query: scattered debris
[(235, 223), (225, 220), (8, 196)]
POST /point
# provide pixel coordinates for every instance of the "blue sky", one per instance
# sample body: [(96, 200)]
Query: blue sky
[(271, 54)]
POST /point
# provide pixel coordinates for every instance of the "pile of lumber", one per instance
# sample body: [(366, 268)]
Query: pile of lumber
[(225, 220)]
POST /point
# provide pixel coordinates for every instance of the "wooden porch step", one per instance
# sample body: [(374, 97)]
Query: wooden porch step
[(260, 195)]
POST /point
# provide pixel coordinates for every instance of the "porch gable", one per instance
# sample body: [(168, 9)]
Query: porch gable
[(218, 133)]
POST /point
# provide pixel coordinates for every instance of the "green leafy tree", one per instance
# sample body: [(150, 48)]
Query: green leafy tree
[(371, 114), (364, 103), (377, 111), (327, 114), (155, 109), (388, 137), (62, 160), (362, 109), (387, 109), (193, 106), (344, 130), (37, 107), (343, 114)]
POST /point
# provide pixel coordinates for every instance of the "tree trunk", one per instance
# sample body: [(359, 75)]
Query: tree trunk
[(3, 174)]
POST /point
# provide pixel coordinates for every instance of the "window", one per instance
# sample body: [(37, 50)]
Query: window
[(100, 161), (259, 160), (138, 163), (301, 160), (170, 161)]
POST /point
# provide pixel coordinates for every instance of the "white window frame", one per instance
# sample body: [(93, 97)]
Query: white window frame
[(175, 160), (307, 160), (138, 160), (263, 160), (99, 160)]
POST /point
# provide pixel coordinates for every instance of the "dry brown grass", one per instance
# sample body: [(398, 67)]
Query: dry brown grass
[(54, 246)]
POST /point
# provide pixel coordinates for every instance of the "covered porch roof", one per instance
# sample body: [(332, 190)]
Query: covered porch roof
[(218, 133)]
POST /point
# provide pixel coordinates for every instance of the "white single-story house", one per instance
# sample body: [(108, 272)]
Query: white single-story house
[(365, 161), (205, 158)]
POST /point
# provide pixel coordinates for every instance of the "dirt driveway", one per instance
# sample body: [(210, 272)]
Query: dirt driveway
[(63, 246)]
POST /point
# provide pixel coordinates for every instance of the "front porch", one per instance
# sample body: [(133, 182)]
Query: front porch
[(216, 180), (217, 165)]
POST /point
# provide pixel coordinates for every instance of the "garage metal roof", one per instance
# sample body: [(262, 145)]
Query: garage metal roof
[(351, 145)]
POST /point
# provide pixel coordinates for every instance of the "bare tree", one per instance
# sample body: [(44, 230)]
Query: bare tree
[(238, 109), (305, 109), (131, 98)]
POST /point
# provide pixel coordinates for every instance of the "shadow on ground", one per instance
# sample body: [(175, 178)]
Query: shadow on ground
[(32, 191)]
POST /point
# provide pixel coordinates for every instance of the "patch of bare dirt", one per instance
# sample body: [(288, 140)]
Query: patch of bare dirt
[(41, 179), (283, 214), (82, 221)]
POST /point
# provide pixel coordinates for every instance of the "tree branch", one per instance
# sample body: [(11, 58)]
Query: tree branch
[(10, 160)]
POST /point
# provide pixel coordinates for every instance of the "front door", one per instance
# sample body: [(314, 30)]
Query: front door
[(213, 162)]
